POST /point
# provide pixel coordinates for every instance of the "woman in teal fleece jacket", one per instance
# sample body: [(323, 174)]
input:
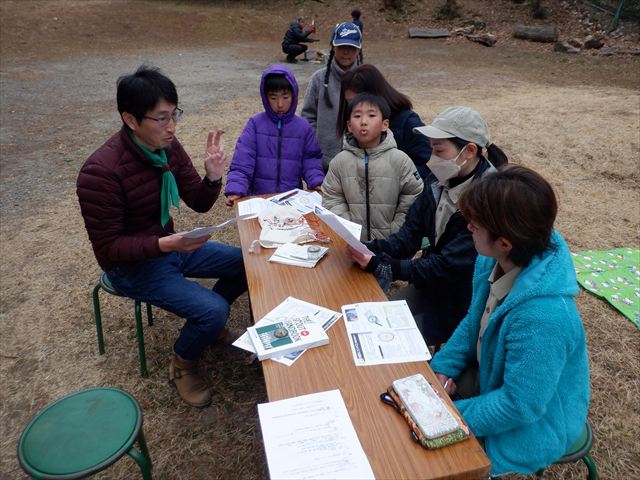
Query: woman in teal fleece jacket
[(531, 392)]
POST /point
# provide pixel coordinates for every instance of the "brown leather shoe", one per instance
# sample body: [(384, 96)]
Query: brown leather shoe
[(230, 335), (191, 386)]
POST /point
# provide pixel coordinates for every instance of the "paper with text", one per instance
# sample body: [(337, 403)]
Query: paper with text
[(312, 437), (383, 332), (253, 206)]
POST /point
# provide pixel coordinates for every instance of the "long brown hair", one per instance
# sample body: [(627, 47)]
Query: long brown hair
[(515, 203)]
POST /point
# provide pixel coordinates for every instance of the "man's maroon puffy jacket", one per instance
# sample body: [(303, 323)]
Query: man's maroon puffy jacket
[(119, 194)]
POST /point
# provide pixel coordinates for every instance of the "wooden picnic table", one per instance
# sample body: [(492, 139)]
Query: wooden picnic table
[(384, 435)]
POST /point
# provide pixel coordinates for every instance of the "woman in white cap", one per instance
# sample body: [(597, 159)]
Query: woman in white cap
[(322, 97), (439, 290)]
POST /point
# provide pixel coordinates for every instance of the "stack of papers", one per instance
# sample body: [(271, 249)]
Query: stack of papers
[(298, 255), (291, 308), (301, 200)]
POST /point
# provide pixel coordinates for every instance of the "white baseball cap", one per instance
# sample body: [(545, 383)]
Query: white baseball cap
[(460, 122)]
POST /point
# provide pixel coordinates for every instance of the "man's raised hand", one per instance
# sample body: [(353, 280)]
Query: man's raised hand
[(216, 159)]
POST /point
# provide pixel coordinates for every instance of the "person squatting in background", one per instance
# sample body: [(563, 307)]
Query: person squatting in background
[(439, 289), (295, 36), (277, 148), (517, 364), (371, 182), (321, 100), (403, 120)]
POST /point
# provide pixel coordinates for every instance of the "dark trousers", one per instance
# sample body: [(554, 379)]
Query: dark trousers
[(161, 281), (293, 50)]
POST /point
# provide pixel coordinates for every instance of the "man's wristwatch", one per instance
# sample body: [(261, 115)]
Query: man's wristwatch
[(214, 183)]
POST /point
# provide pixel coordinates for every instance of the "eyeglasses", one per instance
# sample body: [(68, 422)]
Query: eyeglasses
[(163, 121)]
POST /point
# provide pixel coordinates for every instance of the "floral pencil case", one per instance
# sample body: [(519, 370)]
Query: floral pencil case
[(432, 423)]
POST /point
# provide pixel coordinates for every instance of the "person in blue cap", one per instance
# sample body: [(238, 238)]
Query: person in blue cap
[(322, 97)]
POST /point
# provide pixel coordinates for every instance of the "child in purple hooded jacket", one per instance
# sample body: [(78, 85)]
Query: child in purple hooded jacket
[(277, 148)]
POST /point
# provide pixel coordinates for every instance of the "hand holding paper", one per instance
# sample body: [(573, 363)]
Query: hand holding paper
[(362, 259), (208, 231)]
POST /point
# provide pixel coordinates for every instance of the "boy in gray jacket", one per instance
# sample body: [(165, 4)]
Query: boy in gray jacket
[(371, 182)]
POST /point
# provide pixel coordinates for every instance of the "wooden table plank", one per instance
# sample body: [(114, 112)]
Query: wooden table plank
[(384, 435)]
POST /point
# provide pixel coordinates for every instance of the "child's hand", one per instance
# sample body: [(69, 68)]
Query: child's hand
[(230, 199), (216, 158)]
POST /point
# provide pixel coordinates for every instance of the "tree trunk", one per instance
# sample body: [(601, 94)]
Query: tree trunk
[(536, 34)]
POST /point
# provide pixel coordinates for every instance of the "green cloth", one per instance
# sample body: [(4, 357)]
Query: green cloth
[(169, 192), (613, 275)]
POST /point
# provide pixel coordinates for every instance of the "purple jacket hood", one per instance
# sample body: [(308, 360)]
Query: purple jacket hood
[(288, 74)]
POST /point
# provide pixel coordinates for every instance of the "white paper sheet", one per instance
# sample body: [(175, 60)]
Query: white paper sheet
[(253, 206), (315, 313), (347, 236), (206, 231), (354, 228), (383, 332), (312, 437)]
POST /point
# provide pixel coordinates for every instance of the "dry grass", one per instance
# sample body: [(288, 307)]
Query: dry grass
[(576, 120)]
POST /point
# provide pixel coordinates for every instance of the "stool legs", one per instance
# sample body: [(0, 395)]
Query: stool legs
[(149, 315), (139, 331), (142, 457), (140, 336), (591, 467), (98, 318)]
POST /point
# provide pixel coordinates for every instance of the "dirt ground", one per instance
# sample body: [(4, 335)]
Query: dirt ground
[(575, 119)]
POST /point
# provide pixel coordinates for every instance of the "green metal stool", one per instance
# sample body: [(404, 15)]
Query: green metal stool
[(83, 433), (580, 451), (105, 284)]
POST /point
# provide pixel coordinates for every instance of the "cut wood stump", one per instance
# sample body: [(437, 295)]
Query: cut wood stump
[(536, 34), (429, 33)]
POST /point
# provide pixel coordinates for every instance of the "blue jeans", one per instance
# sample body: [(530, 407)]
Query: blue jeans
[(161, 282)]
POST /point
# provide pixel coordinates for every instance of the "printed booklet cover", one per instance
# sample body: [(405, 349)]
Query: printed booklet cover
[(286, 335)]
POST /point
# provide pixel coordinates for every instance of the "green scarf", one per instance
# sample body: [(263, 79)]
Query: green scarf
[(169, 193)]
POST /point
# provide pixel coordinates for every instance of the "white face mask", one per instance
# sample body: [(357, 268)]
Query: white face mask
[(444, 169)]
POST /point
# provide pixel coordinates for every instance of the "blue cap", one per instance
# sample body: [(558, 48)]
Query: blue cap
[(347, 33)]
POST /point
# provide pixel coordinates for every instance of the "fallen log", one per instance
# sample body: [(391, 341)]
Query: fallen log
[(485, 39), (536, 34), (428, 33)]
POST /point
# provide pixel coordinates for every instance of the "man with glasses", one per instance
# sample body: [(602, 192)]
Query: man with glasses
[(126, 189)]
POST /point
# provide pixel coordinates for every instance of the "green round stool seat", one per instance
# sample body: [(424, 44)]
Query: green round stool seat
[(82, 434)]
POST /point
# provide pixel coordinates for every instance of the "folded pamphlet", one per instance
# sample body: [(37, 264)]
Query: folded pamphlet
[(298, 255), (287, 335)]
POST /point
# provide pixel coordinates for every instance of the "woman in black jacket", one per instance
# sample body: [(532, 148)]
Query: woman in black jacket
[(439, 290)]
